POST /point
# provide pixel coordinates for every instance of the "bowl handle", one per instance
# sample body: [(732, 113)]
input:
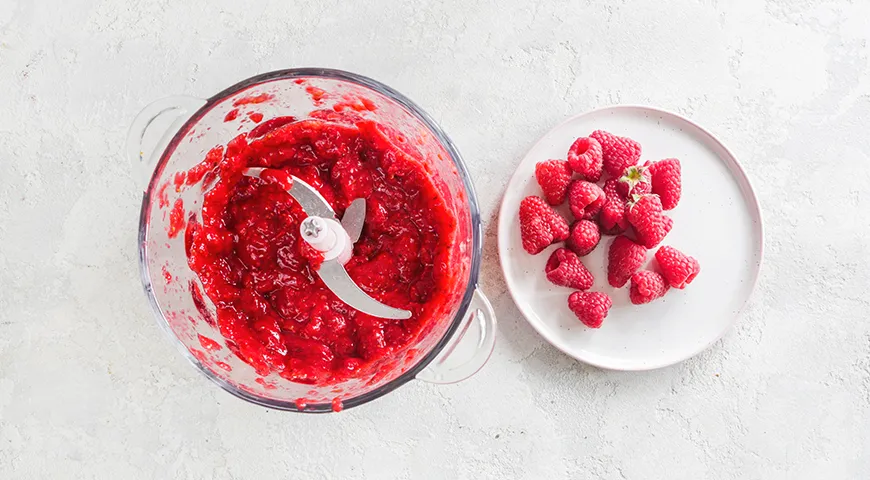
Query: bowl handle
[(151, 131), (469, 349)]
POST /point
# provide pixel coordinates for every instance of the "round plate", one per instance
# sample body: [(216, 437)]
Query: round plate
[(718, 221)]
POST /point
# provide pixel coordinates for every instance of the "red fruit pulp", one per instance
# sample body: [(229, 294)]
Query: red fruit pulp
[(273, 310)]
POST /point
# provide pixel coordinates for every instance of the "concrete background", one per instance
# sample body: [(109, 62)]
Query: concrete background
[(90, 388)]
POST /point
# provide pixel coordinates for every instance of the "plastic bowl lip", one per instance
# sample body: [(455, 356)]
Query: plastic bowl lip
[(416, 111)]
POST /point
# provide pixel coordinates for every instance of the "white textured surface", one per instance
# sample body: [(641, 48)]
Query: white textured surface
[(90, 388)]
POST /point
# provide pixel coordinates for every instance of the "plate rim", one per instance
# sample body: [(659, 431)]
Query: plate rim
[(736, 168)]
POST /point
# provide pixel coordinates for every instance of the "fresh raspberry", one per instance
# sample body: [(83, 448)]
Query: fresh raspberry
[(584, 237), (623, 259), (642, 188), (634, 181), (666, 181), (540, 225), (618, 152), (586, 158), (590, 307), (554, 176), (678, 268), (612, 190), (612, 217), (585, 199), (650, 224), (647, 286), (565, 269)]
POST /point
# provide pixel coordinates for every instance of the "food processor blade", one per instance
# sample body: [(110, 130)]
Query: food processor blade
[(336, 279), (332, 270), (353, 219)]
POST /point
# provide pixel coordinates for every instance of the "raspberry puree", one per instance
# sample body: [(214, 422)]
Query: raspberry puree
[(272, 309)]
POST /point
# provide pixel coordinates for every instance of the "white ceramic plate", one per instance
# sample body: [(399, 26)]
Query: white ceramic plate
[(718, 221)]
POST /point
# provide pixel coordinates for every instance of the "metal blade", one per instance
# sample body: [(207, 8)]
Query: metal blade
[(311, 201), (354, 218), (336, 279)]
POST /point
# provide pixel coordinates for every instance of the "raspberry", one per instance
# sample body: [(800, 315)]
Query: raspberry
[(612, 217), (554, 176), (650, 224), (618, 152), (586, 158), (540, 225), (634, 181), (642, 188), (612, 190), (666, 182), (647, 286), (623, 259), (584, 237), (678, 268), (565, 269), (585, 199), (590, 307)]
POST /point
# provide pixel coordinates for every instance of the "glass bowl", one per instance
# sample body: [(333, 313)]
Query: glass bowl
[(174, 134)]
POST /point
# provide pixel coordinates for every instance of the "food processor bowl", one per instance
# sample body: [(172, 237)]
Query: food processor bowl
[(172, 135)]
